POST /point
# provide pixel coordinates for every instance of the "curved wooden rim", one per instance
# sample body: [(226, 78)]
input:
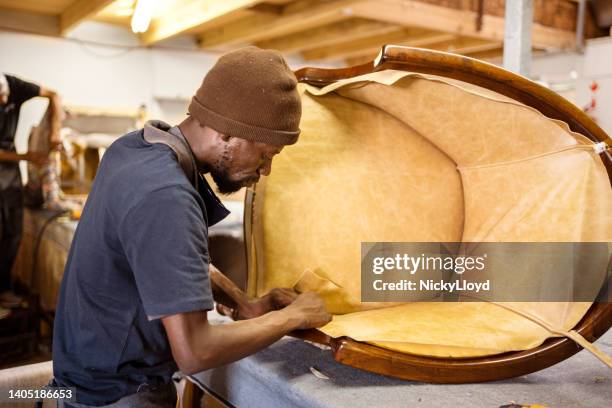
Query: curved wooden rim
[(448, 371), (475, 72), (598, 318), (468, 70)]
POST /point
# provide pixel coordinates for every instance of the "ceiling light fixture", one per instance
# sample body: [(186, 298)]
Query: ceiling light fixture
[(143, 12)]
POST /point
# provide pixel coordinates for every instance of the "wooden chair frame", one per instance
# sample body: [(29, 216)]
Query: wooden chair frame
[(465, 370)]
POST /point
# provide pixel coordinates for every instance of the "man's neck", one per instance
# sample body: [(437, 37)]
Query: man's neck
[(194, 135)]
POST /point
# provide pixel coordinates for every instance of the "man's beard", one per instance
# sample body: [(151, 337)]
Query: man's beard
[(224, 184), (220, 175)]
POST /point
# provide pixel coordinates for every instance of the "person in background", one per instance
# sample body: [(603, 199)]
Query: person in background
[(13, 93)]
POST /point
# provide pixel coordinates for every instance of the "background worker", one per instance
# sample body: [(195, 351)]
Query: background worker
[(13, 93)]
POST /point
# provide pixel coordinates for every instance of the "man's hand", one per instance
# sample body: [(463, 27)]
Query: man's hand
[(34, 157), (37, 158), (303, 311), (57, 116), (197, 345), (274, 300), (309, 308)]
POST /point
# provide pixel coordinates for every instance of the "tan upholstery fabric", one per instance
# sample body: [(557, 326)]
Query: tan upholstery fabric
[(368, 180), (401, 157)]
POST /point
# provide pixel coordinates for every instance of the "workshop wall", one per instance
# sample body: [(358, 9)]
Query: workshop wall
[(125, 75), (598, 68), (119, 77), (571, 75)]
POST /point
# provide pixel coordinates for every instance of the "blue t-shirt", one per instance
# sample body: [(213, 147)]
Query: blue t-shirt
[(140, 252)]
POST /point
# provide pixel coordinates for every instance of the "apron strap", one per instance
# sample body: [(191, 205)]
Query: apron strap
[(154, 133)]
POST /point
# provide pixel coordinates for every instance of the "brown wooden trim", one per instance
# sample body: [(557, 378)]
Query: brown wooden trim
[(258, 235), (247, 230), (316, 336), (253, 236), (455, 371), (598, 318), (593, 325), (475, 72), (468, 70)]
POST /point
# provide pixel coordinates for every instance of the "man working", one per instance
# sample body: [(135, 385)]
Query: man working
[(13, 93), (138, 280)]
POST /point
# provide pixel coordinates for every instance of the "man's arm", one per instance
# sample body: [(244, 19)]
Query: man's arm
[(162, 236), (35, 157), (224, 290), (238, 305), (23, 91), (198, 346), (57, 115), (7, 155)]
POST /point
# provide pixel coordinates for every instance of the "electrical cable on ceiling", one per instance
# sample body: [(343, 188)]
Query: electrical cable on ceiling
[(85, 46)]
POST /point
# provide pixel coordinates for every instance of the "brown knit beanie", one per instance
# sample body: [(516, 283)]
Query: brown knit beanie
[(250, 93)]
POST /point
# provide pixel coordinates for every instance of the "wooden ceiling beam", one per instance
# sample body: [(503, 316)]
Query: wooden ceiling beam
[(241, 31), (25, 21), (349, 30), (418, 14), (295, 17), (192, 16), (80, 10), (371, 45)]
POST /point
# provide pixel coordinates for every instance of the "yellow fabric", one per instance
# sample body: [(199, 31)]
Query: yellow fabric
[(402, 157), (369, 180), (467, 328)]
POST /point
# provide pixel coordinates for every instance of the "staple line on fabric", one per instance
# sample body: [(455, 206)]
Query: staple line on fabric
[(390, 77), (524, 159)]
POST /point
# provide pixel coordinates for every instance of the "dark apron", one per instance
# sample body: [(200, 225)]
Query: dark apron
[(11, 216)]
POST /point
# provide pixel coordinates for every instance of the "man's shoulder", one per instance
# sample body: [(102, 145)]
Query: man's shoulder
[(130, 140), (132, 157), (133, 167), (21, 90), (12, 79)]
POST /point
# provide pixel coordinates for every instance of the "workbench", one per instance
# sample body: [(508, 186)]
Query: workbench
[(280, 376)]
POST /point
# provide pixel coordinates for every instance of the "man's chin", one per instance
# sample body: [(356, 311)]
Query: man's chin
[(250, 182), (226, 186)]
